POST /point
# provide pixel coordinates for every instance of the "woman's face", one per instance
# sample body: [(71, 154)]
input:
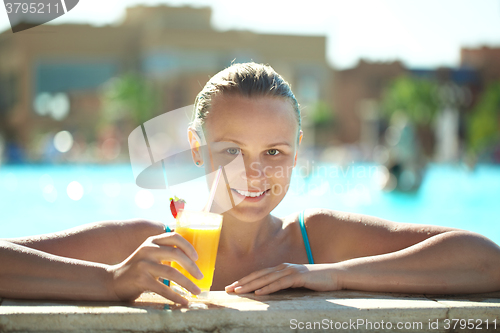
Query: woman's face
[(260, 135)]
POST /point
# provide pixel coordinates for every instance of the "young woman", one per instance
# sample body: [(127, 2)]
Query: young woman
[(252, 107), (248, 110)]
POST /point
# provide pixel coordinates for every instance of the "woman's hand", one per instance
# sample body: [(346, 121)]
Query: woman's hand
[(141, 270), (269, 280)]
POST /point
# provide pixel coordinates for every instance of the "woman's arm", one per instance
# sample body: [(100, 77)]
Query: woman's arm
[(107, 242), (338, 236), (448, 263), (354, 251), (29, 273)]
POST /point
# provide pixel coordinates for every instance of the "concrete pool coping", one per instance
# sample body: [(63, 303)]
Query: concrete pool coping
[(285, 311)]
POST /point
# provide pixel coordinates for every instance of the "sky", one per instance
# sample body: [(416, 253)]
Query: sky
[(421, 33)]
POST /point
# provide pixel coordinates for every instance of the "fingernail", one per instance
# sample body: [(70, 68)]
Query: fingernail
[(200, 274), (233, 285), (258, 291), (229, 286), (238, 289)]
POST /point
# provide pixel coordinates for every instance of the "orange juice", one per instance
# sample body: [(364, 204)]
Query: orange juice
[(205, 241), (202, 230)]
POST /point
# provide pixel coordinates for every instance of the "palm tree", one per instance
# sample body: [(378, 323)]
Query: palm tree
[(483, 126), (418, 100), (129, 96)]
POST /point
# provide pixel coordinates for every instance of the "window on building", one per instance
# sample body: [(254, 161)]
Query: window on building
[(52, 77)]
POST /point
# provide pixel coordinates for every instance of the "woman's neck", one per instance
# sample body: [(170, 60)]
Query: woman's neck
[(243, 238)]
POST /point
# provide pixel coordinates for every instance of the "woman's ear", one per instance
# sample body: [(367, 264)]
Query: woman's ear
[(297, 151), (195, 143)]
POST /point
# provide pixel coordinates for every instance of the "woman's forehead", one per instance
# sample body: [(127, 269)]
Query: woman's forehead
[(260, 117)]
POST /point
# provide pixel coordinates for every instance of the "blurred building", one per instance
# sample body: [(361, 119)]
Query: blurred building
[(357, 93), (51, 75), (485, 60), (458, 91)]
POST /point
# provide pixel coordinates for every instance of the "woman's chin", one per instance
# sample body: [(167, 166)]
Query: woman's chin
[(248, 214)]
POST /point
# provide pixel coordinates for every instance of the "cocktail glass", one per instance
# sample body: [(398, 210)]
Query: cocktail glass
[(202, 230)]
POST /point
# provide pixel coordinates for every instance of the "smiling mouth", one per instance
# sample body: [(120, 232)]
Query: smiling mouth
[(250, 194)]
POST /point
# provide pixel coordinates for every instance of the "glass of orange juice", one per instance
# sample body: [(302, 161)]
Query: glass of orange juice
[(202, 230)]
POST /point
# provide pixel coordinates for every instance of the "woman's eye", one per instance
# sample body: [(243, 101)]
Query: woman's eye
[(233, 151), (273, 152)]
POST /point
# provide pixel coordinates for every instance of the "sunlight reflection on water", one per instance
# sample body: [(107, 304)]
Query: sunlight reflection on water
[(34, 199)]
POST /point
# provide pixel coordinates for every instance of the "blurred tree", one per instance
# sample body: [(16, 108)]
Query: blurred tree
[(129, 96), (323, 121), (322, 114), (417, 99), (484, 121)]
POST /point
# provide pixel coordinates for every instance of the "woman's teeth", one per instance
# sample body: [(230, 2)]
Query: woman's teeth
[(249, 194)]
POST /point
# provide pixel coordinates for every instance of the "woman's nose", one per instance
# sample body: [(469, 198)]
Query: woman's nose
[(254, 170)]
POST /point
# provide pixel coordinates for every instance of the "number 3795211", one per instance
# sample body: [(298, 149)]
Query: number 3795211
[(33, 7), (470, 324)]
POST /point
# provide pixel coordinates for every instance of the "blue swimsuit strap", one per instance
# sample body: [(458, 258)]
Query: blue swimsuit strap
[(165, 281), (306, 239)]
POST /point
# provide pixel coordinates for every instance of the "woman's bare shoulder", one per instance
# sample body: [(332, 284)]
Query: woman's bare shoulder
[(320, 225), (327, 219), (337, 235), (313, 217)]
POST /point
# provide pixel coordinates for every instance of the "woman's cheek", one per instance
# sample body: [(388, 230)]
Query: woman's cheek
[(279, 189), (281, 173), (283, 179)]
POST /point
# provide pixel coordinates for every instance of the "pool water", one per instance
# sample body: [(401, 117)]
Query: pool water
[(37, 199)]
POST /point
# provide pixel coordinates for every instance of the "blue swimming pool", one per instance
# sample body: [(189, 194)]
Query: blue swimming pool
[(38, 199)]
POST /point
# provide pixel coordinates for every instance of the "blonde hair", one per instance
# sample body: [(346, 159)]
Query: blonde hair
[(246, 79)]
